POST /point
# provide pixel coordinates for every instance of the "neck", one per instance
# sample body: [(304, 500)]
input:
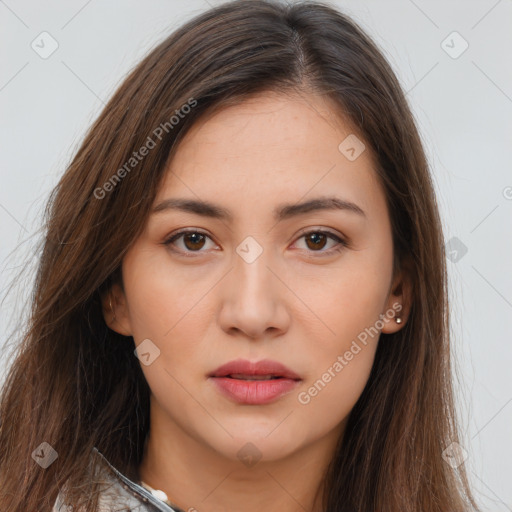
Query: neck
[(196, 477)]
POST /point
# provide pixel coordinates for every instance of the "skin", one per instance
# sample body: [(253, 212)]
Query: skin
[(295, 303)]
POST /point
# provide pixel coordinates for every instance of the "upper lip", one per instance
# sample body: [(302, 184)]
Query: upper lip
[(263, 367)]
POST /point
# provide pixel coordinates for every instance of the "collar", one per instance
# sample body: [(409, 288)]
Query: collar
[(135, 494)]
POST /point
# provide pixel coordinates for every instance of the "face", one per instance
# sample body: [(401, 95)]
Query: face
[(310, 288)]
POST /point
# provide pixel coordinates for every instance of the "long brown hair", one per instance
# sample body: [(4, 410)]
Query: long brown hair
[(76, 384)]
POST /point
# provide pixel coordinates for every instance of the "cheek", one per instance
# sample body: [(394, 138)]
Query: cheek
[(345, 334), (345, 301), (162, 298), (341, 363)]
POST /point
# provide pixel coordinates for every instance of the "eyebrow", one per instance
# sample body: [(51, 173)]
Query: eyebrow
[(281, 212)]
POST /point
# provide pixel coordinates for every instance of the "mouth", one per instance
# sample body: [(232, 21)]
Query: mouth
[(254, 383)]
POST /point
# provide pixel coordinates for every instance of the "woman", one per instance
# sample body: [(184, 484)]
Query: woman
[(241, 300)]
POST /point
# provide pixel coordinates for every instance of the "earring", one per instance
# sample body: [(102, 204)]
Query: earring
[(111, 308), (398, 320)]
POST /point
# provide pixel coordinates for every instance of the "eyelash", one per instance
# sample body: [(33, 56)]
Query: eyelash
[(342, 244)]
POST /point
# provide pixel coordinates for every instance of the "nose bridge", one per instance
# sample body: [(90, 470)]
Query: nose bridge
[(252, 300), (252, 277)]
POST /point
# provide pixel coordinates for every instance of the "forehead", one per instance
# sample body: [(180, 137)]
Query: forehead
[(269, 147), (276, 123)]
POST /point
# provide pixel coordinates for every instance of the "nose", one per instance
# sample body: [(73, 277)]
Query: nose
[(253, 299)]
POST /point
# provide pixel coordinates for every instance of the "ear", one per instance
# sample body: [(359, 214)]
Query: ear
[(115, 311), (399, 301)]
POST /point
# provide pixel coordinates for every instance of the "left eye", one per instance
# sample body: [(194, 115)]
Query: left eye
[(314, 239), (194, 241)]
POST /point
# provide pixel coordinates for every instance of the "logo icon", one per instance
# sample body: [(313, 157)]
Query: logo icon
[(351, 147), (454, 45), (249, 250), (249, 455), (147, 352), (44, 455), (44, 45), (454, 454), (455, 249)]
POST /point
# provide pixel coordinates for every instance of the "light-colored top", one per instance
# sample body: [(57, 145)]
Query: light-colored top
[(121, 493)]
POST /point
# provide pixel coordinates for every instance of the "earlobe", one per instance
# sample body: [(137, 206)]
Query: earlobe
[(115, 311), (394, 318), (398, 305)]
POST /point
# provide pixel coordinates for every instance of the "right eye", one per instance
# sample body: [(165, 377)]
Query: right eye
[(191, 241)]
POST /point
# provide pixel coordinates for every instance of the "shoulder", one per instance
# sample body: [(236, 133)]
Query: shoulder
[(117, 492), (119, 489)]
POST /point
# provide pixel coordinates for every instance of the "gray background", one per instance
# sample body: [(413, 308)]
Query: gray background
[(463, 106)]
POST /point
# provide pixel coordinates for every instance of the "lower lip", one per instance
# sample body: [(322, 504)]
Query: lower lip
[(254, 392)]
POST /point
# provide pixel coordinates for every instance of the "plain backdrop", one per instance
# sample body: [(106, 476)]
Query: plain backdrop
[(453, 60)]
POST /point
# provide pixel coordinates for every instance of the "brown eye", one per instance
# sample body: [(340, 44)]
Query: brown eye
[(188, 242), (315, 240), (193, 241)]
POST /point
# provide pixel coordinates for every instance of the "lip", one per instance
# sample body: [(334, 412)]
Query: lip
[(263, 367), (254, 392)]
